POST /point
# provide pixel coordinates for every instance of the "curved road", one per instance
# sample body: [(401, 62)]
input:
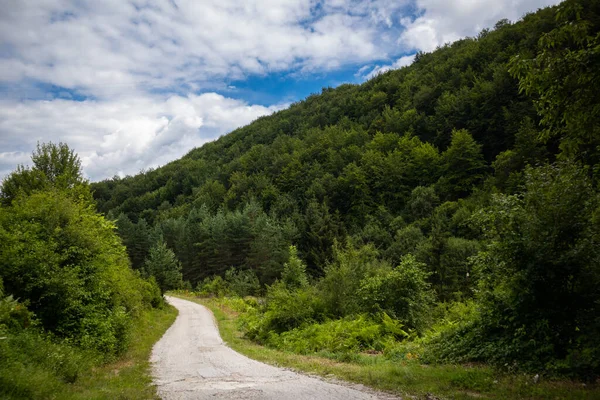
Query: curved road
[(191, 362)]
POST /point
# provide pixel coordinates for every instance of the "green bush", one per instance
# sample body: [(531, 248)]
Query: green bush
[(67, 263), (403, 293), (343, 278), (282, 311), (242, 282), (347, 335), (215, 286)]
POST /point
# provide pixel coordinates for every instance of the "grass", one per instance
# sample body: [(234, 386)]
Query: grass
[(34, 367), (129, 377), (408, 378)]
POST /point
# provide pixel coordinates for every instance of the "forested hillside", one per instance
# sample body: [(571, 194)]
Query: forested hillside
[(453, 202)]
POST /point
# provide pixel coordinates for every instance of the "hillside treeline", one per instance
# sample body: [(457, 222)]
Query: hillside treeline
[(457, 196)]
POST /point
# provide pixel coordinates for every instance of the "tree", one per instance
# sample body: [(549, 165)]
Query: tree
[(60, 165), (54, 166), (422, 202), (464, 166), (68, 264), (540, 273), (164, 267), (294, 272), (563, 79)]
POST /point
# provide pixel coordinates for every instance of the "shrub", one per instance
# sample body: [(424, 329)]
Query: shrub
[(403, 293), (215, 286), (347, 335), (343, 278), (283, 310), (67, 263), (242, 282)]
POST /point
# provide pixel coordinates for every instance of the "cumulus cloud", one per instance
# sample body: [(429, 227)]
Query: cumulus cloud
[(434, 23), (114, 46), (380, 69), (118, 138), (444, 21)]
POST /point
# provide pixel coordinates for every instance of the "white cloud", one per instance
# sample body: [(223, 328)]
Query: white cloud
[(106, 48), (121, 137), (380, 69), (444, 21), (438, 22)]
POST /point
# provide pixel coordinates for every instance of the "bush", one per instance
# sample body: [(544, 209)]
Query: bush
[(215, 286), (33, 367), (283, 310), (343, 278), (242, 282), (347, 335), (403, 293), (67, 263)]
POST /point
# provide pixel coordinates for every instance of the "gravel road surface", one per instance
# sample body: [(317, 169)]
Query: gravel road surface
[(191, 362)]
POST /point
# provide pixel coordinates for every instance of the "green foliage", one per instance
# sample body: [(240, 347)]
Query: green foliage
[(54, 165), (282, 311), (403, 293), (422, 202), (242, 282), (348, 335), (35, 367), (344, 275), (65, 261), (294, 272), (13, 315), (539, 278), (464, 166), (215, 286), (563, 78), (164, 267)]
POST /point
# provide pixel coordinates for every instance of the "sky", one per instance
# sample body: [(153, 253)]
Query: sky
[(134, 84)]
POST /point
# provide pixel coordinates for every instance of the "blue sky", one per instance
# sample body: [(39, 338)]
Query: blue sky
[(133, 84)]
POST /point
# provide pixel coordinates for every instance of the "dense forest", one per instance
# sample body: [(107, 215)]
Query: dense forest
[(450, 207)]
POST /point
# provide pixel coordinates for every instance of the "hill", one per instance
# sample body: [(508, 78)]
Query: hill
[(474, 170)]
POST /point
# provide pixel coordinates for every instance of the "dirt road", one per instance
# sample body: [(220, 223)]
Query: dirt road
[(192, 362)]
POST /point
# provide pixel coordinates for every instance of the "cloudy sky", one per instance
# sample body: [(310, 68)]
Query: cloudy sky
[(133, 84)]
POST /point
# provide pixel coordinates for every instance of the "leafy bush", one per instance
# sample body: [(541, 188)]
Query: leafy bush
[(68, 264), (215, 286), (242, 282), (35, 367), (282, 311), (13, 315), (343, 278), (403, 293), (343, 336)]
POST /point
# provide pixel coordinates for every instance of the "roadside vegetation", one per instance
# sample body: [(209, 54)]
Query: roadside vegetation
[(75, 320), (402, 373)]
